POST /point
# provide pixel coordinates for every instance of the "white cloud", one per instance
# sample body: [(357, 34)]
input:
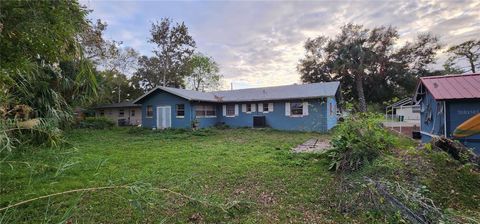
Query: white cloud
[(260, 43)]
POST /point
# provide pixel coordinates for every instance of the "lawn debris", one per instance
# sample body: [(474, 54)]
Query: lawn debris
[(411, 204), (455, 149), (133, 188), (195, 218)]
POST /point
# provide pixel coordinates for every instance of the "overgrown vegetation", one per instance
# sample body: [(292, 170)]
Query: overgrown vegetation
[(15, 133), (96, 123), (228, 175), (358, 141), (392, 177), (42, 68)]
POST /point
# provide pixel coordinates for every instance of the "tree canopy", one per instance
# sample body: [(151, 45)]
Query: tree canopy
[(469, 51), (202, 73), (368, 62), (43, 65), (174, 46)]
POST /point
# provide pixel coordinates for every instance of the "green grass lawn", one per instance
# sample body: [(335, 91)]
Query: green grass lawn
[(249, 172), (211, 175)]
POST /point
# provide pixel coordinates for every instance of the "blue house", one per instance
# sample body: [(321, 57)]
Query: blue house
[(445, 103), (306, 107)]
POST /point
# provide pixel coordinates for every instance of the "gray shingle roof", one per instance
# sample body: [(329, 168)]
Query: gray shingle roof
[(118, 105), (300, 91)]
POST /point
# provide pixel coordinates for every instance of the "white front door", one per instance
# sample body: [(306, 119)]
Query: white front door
[(164, 119)]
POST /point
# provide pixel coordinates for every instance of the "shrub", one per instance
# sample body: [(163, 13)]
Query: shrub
[(96, 123), (358, 141)]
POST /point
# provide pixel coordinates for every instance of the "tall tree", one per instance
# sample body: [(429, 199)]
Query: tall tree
[(147, 75), (43, 69), (42, 63), (174, 46), (369, 65), (202, 73), (469, 50)]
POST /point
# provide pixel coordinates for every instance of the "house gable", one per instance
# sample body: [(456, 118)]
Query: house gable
[(159, 98)]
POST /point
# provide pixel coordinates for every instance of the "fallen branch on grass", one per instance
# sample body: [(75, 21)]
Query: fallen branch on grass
[(205, 203), (455, 149), (25, 163), (401, 199), (62, 193)]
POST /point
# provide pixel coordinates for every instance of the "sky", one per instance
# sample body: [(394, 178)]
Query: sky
[(259, 43)]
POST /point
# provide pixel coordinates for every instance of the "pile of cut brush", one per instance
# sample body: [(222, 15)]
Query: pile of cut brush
[(455, 149)]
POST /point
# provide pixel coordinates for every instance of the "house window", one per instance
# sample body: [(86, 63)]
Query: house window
[(149, 111), (296, 108), (132, 113), (265, 107), (121, 113), (180, 110), (249, 107), (102, 113), (230, 110), (210, 110), (205, 111)]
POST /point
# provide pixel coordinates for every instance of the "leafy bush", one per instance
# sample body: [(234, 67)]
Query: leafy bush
[(358, 141), (96, 123)]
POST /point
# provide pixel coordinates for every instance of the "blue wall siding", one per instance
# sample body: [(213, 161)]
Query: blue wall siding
[(243, 119), (315, 121), (162, 98), (318, 119), (331, 113), (436, 125), (458, 112)]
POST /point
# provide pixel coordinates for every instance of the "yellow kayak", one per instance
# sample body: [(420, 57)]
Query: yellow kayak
[(468, 128)]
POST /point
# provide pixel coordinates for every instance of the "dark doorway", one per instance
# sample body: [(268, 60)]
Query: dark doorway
[(259, 121)]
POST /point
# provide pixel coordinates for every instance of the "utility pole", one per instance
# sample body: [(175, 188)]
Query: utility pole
[(119, 90)]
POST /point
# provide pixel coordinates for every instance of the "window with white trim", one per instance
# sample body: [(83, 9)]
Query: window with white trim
[(249, 107), (180, 110), (296, 108), (265, 107), (230, 109)]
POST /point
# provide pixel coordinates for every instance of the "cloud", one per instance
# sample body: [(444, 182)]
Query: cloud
[(260, 43)]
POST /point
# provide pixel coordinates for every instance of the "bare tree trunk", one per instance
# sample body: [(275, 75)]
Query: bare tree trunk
[(472, 64), (361, 94)]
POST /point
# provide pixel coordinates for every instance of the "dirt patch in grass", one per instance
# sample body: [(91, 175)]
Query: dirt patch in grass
[(313, 145)]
